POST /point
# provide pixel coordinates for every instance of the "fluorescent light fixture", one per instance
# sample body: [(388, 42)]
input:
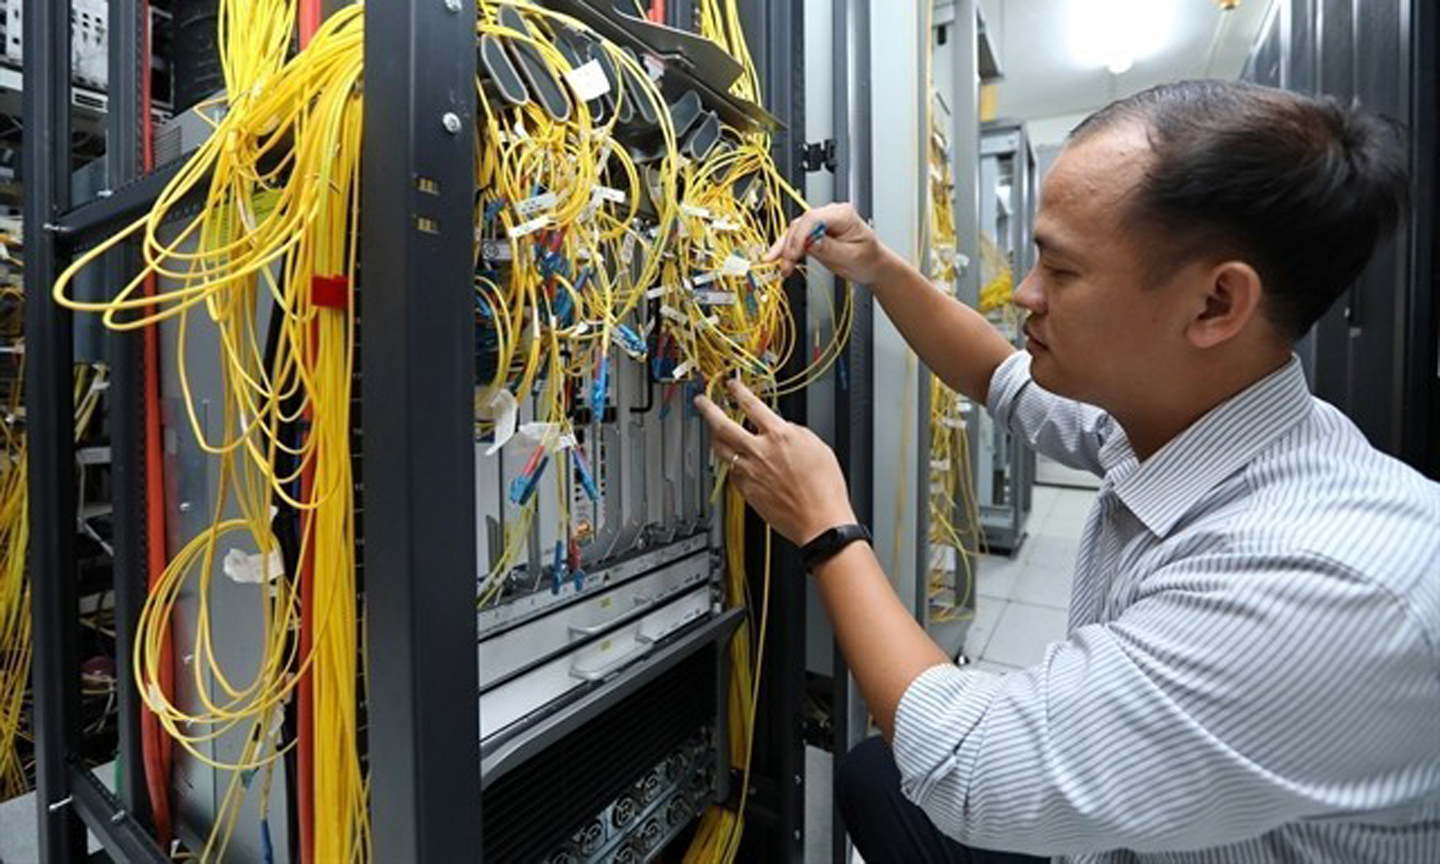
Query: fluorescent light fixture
[(1116, 33)]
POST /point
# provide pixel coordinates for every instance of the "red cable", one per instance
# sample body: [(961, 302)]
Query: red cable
[(156, 747), (311, 15), (657, 12)]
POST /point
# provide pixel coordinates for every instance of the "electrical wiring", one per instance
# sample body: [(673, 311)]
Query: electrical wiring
[(280, 181), (954, 518), (589, 251), (15, 644), (15, 622)]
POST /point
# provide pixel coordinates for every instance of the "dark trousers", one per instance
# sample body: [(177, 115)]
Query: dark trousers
[(885, 827)]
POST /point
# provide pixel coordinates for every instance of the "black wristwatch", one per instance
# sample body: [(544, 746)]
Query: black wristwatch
[(830, 542)]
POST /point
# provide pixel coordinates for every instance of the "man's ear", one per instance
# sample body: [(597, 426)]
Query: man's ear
[(1233, 292)]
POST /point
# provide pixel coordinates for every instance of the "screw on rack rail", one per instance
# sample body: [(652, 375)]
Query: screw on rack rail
[(451, 122)]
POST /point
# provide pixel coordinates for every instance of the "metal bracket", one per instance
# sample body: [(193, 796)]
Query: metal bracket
[(818, 155)]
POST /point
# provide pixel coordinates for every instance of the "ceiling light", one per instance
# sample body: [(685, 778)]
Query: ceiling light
[(1115, 33)]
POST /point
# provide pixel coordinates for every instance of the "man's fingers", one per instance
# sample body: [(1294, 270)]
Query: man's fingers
[(726, 431), (755, 408)]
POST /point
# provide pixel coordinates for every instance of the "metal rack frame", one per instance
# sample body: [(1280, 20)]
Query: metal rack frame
[(415, 434)]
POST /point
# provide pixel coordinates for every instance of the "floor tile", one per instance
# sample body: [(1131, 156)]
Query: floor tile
[(1051, 472), (1044, 586), (996, 576), (988, 613), (1022, 634), (1054, 552)]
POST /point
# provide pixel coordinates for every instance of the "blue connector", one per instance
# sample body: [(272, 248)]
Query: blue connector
[(587, 480), (564, 308), (522, 488), (600, 386), (557, 568), (493, 209), (629, 339)]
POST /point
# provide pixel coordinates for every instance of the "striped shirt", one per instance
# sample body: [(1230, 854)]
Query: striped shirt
[(1252, 672)]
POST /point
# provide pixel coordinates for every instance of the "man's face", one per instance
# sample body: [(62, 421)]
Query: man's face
[(1099, 330)]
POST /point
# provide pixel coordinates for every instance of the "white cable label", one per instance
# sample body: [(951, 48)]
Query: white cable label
[(706, 278), (723, 224), (588, 81), (253, 569), (735, 266), (502, 408), (697, 212), (653, 293), (682, 370), (715, 298), (537, 204), (674, 315), (605, 193), (530, 227)]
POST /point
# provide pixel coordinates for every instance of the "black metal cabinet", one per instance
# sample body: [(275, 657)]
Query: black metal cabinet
[(1374, 354)]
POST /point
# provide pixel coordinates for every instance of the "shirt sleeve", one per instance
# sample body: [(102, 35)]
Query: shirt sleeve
[(1067, 431), (1239, 693)]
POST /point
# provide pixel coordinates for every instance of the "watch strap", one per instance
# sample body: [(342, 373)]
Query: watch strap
[(830, 542)]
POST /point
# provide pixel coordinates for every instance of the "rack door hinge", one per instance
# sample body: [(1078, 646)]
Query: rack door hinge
[(818, 155)]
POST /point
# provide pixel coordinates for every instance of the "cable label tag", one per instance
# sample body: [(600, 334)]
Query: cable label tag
[(715, 298), (656, 292), (253, 569), (530, 227), (767, 277), (627, 249), (682, 370), (952, 422), (531, 206), (605, 193), (502, 408), (706, 278), (735, 266), (673, 314), (723, 224), (588, 81), (547, 435), (696, 212), (495, 250)]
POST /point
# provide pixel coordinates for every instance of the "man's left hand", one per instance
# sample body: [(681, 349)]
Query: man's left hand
[(785, 471)]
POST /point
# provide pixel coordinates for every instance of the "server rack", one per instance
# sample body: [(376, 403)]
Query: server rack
[(1004, 464), (415, 429), (1376, 353)]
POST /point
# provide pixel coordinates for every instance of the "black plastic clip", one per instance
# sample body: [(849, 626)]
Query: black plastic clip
[(820, 154)]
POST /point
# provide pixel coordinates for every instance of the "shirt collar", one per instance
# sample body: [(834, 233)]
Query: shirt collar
[(1163, 488)]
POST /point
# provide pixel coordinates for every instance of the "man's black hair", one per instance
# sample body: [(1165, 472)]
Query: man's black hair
[(1301, 188)]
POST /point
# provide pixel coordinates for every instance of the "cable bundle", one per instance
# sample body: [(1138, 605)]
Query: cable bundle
[(15, 644), (952, 488), (588, 250)]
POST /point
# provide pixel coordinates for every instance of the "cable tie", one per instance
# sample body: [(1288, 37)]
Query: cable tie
[(330, 292)]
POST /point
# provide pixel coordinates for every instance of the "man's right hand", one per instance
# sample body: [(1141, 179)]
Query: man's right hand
[(849, 248)]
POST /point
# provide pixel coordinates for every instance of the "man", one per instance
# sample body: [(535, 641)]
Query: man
[(1252, 672)]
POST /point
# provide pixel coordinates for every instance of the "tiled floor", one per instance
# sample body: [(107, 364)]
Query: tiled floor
[(1021, 602)]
